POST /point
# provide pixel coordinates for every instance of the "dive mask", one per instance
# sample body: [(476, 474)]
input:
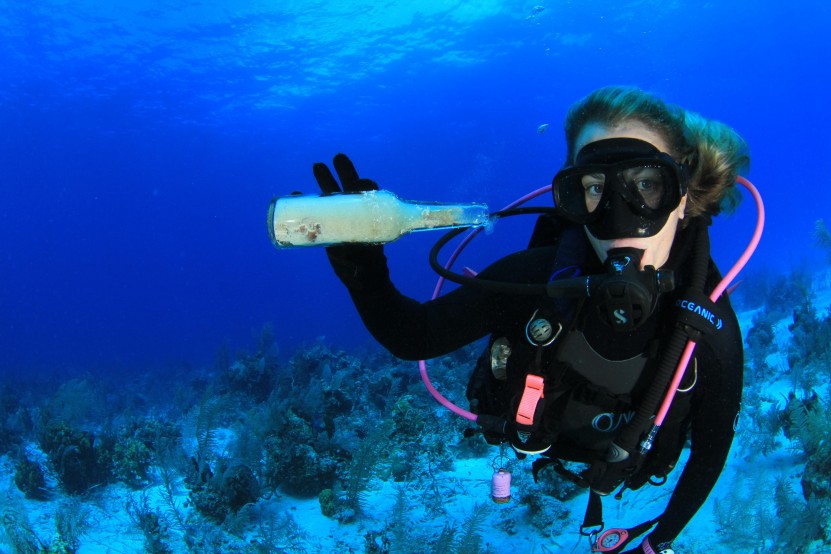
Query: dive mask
[(620, 188)]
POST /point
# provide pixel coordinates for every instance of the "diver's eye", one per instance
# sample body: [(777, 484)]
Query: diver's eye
[(595, 189), (592, 189), (646, 186), (648, 182), (652, 192)]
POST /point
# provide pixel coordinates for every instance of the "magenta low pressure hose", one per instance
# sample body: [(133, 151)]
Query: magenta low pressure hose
[(422, 365), (715, 295)]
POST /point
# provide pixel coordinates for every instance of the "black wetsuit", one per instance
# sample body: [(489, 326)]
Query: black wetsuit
[(414, 330)]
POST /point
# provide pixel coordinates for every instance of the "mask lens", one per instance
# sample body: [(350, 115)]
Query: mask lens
[(593, 185), (647, 185), (577, 193), (650, 187)]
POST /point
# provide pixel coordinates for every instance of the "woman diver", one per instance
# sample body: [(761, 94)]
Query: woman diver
[(571, 375)]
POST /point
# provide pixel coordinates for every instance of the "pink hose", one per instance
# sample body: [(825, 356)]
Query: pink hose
[(422, 365), (715, 295)]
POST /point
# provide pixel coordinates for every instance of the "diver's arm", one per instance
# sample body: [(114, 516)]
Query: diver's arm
[(715, 406), (413, 330)]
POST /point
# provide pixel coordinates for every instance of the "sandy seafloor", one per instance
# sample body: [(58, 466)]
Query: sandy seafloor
[(297, 525)]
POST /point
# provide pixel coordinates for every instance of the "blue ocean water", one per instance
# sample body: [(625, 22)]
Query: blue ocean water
[(141, 142)]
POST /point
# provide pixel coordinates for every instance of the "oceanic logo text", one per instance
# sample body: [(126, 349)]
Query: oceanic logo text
[(700, 310)]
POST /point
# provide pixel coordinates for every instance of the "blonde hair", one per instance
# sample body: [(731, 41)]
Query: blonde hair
[(713, 152)]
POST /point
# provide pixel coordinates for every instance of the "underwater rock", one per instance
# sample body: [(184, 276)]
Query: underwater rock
[(131, 462), (210, 503), (328, 502), (29, 478), (218, 494), (252, 376), (239, 486), (298, 469), (79, 461)]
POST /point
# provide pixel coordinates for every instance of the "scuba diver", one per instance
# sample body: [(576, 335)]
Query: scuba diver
[(575, 373)]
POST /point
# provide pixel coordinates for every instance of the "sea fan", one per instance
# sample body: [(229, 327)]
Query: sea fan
[(799, 523), (364, 461), (811, 420), (207, 424), (470, 540)]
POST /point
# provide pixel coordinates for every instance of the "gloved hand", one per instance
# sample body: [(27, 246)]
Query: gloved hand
[(359, 266)]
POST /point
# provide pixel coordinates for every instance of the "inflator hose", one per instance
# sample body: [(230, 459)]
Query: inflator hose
[(631, 433)]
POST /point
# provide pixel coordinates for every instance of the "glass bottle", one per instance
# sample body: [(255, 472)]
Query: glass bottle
[(368, 217)]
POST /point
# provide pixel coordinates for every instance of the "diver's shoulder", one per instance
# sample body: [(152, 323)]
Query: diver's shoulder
[(531, 263)]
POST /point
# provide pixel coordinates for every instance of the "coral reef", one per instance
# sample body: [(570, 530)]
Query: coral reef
[(252, 376), (136, 448), (29, 478), (77, 459), (131, 460), (293, 464), (217, 494)]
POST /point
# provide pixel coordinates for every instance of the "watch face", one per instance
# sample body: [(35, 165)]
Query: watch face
[(610, 540)]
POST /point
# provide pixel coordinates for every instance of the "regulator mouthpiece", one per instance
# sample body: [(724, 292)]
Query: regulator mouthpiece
[(626, 295)]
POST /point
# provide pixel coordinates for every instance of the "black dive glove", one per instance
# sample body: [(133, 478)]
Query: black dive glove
[(359, 266)]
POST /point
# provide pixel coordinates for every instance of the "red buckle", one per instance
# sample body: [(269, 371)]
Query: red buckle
[(530, 398)]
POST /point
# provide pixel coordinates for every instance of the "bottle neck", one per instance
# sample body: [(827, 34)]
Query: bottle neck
[(423, 216)]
